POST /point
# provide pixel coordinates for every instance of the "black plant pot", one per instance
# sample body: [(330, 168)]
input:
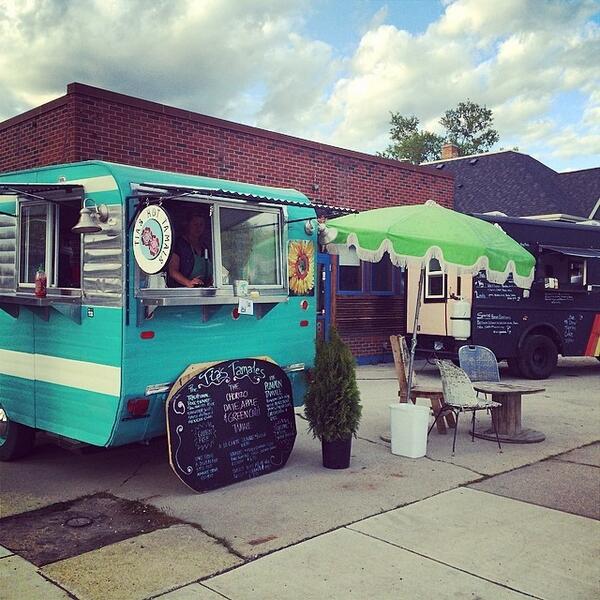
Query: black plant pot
[(336, 454)]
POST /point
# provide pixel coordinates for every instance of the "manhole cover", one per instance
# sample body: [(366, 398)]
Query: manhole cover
[(67, 529), (79, 521)]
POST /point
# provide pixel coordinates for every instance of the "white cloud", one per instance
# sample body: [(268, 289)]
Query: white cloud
[(569, 143), (203, 56), (581, 139), (514, 56), (256, 62), (512, 115)]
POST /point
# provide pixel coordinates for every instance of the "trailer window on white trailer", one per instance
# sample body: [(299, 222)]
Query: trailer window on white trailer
[(434, 281)]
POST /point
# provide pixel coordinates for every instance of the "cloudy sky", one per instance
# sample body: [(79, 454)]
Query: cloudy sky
[(328, 70)]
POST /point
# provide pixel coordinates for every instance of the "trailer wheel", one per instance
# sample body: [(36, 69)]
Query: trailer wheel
[(16, 440), (538, 357)]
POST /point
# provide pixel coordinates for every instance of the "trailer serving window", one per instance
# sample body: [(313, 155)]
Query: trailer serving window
[(250, 244), (564, 267), (240, 241), (34, 238), (47, 242)]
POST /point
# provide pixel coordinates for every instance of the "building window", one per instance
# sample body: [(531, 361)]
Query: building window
[(435, 281), (47, 242), (382, 276), (350, 278), (350, 271)]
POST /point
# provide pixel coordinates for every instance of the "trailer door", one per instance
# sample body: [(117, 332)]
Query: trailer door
[(323, 295)]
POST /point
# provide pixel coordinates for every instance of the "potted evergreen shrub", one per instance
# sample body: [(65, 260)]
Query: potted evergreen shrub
[(332, 402)]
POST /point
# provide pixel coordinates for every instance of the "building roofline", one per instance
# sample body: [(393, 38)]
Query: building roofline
[(34, 112), (75, 88), (532, 222), (562, 217), (579, 170), (445, 160)]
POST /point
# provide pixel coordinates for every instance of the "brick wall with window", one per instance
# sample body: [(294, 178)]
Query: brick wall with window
[(90, 123)]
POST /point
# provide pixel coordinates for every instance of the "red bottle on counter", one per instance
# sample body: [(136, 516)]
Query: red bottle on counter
[(41, 283)]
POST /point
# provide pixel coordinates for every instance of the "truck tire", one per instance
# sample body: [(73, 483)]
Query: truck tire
[(538, 357), (16, 440)]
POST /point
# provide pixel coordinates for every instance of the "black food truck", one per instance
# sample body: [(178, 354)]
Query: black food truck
[(560, 314)]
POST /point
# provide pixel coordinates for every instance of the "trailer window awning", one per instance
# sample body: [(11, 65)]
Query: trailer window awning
[(240, 191), (569, 251), (50, 192)]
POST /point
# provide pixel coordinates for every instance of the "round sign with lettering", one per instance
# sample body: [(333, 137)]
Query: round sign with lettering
[(152, 236), (231, 421)]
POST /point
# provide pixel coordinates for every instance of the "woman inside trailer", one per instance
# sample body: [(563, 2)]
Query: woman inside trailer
[(190, 264)]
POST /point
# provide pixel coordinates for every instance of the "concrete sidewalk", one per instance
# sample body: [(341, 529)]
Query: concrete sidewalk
[(459, 544), (523, 523)]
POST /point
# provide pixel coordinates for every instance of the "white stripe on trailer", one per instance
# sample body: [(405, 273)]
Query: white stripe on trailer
[(93, 377), (17, 364), (103, 183)]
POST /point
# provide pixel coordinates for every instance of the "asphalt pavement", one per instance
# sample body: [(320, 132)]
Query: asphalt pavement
[(523, 523)]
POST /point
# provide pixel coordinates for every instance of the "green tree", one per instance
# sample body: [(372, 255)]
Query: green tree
[(409, 143), (469, 126), (332, 401)]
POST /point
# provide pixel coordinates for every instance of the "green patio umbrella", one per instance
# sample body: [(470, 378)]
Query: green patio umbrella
[(413, 235)]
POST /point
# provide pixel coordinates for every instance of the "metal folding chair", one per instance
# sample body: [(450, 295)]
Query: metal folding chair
[(479, 363), (459, 396)]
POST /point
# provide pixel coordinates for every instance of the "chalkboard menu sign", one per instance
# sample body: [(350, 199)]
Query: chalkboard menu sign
[(496, 322), (229, 422), (485, 290)]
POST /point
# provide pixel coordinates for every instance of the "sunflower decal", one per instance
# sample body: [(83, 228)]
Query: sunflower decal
[(301, 260)]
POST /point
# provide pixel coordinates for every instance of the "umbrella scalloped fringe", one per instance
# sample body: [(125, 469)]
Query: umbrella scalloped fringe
[(415, 262)]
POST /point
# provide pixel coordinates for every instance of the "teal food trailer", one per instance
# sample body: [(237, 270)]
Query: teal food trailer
[(94, 358)]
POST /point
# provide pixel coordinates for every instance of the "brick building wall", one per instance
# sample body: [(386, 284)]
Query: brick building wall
[(42, 136), (89, 123)]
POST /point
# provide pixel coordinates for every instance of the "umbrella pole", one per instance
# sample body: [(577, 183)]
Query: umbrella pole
[(413, 345)]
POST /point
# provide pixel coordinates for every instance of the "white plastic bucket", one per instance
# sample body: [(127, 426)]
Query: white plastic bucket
[(409, 429)]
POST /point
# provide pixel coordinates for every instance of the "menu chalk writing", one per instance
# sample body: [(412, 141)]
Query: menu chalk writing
[(484, 290), (231, 421), (570, 327), (558, 298), (498, 323)]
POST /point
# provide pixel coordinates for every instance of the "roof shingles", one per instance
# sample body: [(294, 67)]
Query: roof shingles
[(519, 185)]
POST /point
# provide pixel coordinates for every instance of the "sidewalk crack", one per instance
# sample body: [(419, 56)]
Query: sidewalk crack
[(449, 565), (215, 591), (136, 470)]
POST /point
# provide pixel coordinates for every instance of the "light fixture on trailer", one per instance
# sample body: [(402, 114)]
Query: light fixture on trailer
[(90, 218)]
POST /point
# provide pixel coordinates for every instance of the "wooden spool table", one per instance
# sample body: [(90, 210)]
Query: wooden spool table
[(508, 416)]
